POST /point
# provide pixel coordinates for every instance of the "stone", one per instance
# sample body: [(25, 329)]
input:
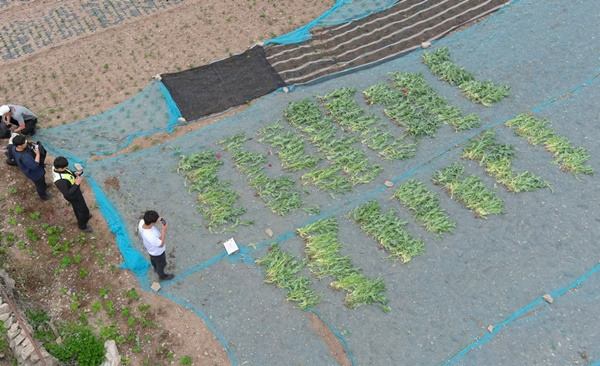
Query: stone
[(13, 331), (58, 340), (9, 322), (4, 316), (205, 353), (155, 286), (4, 308), (548, 298), (269, 232), (18, 339), (157, 77), (286, 89), (112, 354), (490, 328), (389, 184), (181, 120), (27, 351), (426, 44)]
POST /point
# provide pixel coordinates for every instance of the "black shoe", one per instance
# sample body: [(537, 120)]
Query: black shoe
[(47, 197), (168, 277), (87, 229)]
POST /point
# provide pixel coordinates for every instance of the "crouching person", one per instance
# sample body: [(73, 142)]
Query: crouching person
[(69, 184)]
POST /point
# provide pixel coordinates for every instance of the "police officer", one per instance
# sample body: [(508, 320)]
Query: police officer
[(69, 184)]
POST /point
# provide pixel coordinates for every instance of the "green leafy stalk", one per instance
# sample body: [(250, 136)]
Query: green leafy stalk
[(426, 206), (470, 191), (389, 231)]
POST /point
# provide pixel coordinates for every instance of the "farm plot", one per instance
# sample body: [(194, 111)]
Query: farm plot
[(480, 272)]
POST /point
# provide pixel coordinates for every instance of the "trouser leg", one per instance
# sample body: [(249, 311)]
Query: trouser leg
[(159, 263), (40, 186), (29, 127), (82, 212), (4, 130)]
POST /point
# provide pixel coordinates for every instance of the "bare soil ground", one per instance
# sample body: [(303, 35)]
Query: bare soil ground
[(86, 75)]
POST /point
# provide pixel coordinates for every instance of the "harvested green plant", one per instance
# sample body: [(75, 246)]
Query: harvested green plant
[(216, 200), (389, 231), (470, 191), (426, 206), (485, 93), (325, 260), (536, 131), (496, 158), (281, 268)]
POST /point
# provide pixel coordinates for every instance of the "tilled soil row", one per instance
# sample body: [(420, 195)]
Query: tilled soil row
[(399, 29)]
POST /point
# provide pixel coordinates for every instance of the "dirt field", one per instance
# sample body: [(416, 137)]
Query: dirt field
[(66, 78)]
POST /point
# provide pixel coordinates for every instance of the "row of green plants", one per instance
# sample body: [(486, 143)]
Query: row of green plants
[(281, 269), (217, 201), (290, 147), (485, 92), (388, 230), (497, 158), (344, 109), (341, 153), (470, 191), (325, 260), (568, 157), (414, 104), (425, 205), (278, 193)]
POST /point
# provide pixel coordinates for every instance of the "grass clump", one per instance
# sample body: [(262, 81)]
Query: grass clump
[(278, 193), (306, 116), (290, 147), (389, 231), (325, 260), (216, 200), (484, 93), (281, 269), (426, 206), (341, 105), (536, 131), (496, 158), (470, 191)]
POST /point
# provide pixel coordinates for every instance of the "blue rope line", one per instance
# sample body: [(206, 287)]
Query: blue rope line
[(537, 303)]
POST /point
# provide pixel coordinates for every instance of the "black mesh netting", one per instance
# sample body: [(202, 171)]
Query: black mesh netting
[(222, 84)]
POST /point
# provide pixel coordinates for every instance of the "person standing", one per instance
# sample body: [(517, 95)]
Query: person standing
[(69, 184), (154, 241), (18, 116), (29, 163)]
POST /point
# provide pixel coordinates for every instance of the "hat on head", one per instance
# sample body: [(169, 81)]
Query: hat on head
[(4, 109)]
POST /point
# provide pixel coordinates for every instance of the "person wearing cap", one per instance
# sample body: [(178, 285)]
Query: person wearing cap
[(18, 116), (29, 163), (69, 184)]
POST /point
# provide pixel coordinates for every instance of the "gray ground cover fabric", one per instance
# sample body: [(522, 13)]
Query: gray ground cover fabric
[(444, 299)]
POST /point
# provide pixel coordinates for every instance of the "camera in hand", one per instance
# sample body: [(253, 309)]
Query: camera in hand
[(163, 221)]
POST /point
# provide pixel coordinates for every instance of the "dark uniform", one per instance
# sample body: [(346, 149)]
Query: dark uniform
[(65, 182)]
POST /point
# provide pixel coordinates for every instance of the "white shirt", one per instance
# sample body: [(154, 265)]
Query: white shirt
[(151, 239)]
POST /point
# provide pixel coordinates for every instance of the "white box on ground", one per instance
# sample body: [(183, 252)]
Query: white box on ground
[(231, 246)]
